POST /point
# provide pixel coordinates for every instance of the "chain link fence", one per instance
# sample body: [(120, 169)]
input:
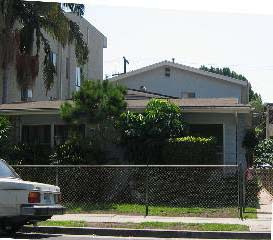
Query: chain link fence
[(100, 187)]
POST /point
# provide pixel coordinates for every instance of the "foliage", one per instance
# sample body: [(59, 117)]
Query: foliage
[(190, 150), (250, 140), (264, 152), (77, 151), (161, 119), (5, 128), (249, 143), (191, 139), (28, 154), (35, 19), (96, 101)]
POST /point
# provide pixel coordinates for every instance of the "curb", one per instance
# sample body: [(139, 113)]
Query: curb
[(118, 232)]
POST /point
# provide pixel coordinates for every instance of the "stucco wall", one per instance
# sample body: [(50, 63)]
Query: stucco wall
[(63, 87), (229, 131), (184, 81)]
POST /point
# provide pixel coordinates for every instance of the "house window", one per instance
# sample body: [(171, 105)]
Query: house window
[(187, 95), (167, 72), (78, 77), (26, 94), (36, 134), (62, 132), (67, 67), (53, 59)]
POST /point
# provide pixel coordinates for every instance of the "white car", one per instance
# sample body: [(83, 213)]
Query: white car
[(23, 202)]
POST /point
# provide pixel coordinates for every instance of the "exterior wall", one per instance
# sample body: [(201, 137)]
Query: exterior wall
[(63, 87), (229, 135), (185, 81)]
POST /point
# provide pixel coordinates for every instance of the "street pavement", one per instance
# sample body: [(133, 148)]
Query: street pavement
[(73, 237)]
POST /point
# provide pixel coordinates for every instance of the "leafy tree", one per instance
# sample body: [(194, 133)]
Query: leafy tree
[(96, 101), (264, 152), (161, 119), (21, 24)]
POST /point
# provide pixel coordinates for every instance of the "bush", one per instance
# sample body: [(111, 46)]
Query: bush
[(180, 151), (5, 128), (190, 151), (29, 154), (77, 151), (264, 152)]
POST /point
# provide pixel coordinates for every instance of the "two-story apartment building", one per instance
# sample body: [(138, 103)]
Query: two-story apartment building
[(44, 126), (213, 105), (69, 75)]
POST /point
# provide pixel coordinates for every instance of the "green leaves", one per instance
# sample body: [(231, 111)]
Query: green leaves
[(5, 128), (37, 16), (161, 119), (264, 152), (95, 101)]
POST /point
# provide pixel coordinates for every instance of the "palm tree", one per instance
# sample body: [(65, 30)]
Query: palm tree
[(23, 25)]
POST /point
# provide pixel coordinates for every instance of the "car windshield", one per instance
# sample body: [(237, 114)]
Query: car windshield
[(6, 171)]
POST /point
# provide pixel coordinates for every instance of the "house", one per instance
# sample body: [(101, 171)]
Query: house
[(269, 120), (213, 105)]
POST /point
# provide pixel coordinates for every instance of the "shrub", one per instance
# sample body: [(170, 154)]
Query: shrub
[(5, 128), (28, 154), (185, 151), (264, 152), (77, 151), (190, 150)]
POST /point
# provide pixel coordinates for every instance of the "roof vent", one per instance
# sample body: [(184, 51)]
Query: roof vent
[(143, 88)]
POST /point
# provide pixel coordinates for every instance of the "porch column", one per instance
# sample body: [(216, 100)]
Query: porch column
[(52, 135)]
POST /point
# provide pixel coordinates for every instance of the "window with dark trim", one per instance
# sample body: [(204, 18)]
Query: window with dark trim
[(36, 134), (67, 68), (167, 72), (26, 94), (78, 77)]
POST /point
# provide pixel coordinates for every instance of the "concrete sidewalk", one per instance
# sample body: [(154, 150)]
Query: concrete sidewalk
[(261, 224)]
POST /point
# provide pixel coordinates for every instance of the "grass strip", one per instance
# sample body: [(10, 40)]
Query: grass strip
[(152, 225), (138, 209)]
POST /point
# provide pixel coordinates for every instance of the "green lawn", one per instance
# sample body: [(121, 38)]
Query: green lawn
[(152, 225), (137, 209), (63, 223)]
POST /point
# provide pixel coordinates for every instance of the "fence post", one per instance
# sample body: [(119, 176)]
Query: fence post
[(57, 176), (240, 190), (147, 192)]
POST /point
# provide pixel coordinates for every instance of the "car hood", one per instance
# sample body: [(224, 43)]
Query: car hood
[(18, 184)]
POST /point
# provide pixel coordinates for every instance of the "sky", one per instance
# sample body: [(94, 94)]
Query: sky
[(227, 33)]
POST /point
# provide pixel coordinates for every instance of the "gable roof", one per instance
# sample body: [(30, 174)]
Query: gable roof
[(181, 67)]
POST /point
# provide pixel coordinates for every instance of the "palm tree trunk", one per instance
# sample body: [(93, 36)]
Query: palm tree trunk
[(5, 84)]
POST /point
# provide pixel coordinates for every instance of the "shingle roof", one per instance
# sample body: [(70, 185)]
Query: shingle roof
[(54, 106), (182, 67)]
